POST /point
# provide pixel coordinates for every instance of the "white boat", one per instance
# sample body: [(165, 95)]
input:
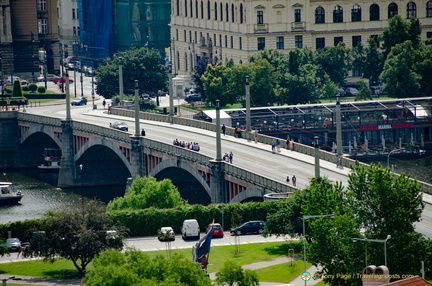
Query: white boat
[(52, 159), (7, 195)]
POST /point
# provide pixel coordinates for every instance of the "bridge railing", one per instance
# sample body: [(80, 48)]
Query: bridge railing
[(39, 119)]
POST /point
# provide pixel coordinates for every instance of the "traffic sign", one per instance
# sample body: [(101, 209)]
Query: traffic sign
[(305, 276)]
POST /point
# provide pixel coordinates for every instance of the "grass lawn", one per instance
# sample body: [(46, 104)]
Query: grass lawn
[(281, 273)]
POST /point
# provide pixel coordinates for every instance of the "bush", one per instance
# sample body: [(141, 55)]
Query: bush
[(25, 88), (17, 91), (32, 87), (41, 89)]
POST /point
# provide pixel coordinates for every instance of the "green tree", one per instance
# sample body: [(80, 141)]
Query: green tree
[(364, 91), (146, 192), (233, 274), (136, 268), (328, 88), (199, 70), (262, 83), (399, 76), (76, 235), (144, 65), (215, 81), (236, 81), (335, 61), (424, 68), (276, 58), (373, 64)]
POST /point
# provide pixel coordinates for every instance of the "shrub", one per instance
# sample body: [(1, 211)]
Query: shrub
[(33, 87), (41, 89), (17, 91), (25, 88)]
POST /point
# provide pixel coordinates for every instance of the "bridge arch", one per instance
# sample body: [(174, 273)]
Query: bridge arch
[(42, 129), (247, 194)]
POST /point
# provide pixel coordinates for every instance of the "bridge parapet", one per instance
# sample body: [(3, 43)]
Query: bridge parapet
[(39, 119)]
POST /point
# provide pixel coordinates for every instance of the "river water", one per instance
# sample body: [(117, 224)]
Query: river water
[(41, 194)]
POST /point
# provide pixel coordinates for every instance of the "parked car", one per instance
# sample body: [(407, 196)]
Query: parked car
[(341, 91), (166, 233), (217, 230), (120, 125), (193, 97), (79, 101), (61, 80), (253, 226), (50, 77), (13, 244), (89, 71), (351, 91), (190, 229)]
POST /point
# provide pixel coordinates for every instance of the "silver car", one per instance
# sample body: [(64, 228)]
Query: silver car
[(13, 244)]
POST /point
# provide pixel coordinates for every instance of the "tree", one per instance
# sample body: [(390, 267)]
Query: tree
[(364, 91), (232, 274), (147, 192), (399, 75), (335, 61), (262, 83), (136, 268), (215, 81), (199, 70), (424, 68), (328, 88), (76, 235), (373, 64), (144, 65)]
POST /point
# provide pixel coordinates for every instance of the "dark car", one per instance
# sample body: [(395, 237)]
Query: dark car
[(351, 91), (193, 97), (79, 101), (120, 125), (253, 226), (341, 91)]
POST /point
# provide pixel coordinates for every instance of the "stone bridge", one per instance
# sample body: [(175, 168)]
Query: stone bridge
[(93, 156)]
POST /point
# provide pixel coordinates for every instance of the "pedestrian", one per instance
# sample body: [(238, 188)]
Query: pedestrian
[(287, 180), (223, 129), (277, 145), (287, 143), (142, 131), (256, 135), (294, 180), (273, 146), (103, 103), (231, 157), (109, 109)]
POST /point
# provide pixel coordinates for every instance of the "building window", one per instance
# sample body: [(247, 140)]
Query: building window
[(280, 43), (178, 60), (226, 12), (356, 40), (178, 7), (392, 10), (79, 31), (374, 13), (261, 43), (43, 26), (319, 15), (232, 42), (185, 8), (356, 13), (241, 13), (186, 62), (221, 11), (184, 36), (429, 9), (320, 43), (356, 70), (73, 14), (337, 40), (202, 10), (196, 9), (299, 42), (214, 40), (411, 10), (196, 37), (226, 41), (220, 40), (260, 17), (208, 10), (428, 35), (177, 35), (42, 5), (240, 43), (74, 31), (297, 15), (190, 36), (337, 14), (191, 8), (215, 8), (232, 13), (376, 40)]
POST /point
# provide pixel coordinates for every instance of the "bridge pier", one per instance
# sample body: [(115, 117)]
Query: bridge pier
[(217, 182), (138, 160), (68, 173), (9, 140)]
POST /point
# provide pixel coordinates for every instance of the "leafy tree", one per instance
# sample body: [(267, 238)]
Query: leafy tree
[(17, 91), (262, 83), (424, 68), (236, 79), (276, 58), (215, 81), (147, 192), (298, 58), (136, 268), (199, 70), (399, 75), (3, 249), (373, 64), (76, 235), (335, 61), (328, 88), (144, 65), (364, 91), (233, 274)]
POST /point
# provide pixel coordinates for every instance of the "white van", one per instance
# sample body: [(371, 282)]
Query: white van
[(190, 229)]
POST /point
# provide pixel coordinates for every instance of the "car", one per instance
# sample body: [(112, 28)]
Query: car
[(190, 229), (166, 233), (351, 91), (79, 101), (341, 91), (13, 244), (120, 125), (89, 71), (217, 230), (61, 80), (50, 77), (193, 97), (253, 226)]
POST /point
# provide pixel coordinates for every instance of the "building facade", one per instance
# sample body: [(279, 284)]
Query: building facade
[(236, 29), (68, 25)]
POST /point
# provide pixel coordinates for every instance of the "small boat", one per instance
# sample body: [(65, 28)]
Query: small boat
[(52, 159), (7, 195)]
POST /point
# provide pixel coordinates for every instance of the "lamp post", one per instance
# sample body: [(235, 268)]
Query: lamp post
[(377, 240), (121, 91), (388, 157), (2, 82), (68, 111), (317, 162), (248, 118), (137, 107), (93, 91), (305, 218), (218, 135), (171, 98), (338, 129), (82, 196)]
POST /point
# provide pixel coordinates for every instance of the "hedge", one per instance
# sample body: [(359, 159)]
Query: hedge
[(45, 95)]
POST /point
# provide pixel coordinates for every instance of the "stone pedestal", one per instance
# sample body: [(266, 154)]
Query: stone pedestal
[(138, 159), (68, 173), (217, 182)]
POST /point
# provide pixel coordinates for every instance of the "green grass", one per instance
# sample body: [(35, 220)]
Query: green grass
[(281, 273)]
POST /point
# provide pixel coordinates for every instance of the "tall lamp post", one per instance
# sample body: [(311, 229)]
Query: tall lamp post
[(248, 118), (2, 82), (376, 240), (317, 158), (338, 129), (218, 135), (93, 91), (121, 91), (305, 218), (137, 107)]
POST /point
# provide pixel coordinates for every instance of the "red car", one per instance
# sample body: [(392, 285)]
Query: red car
[(62, 80), (217, 229)]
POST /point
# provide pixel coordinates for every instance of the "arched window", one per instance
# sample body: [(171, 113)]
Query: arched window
[(185, 7), (278, 17), (208, 10), (356, 13), (191, 8), (226, 12), (221, 11), (241, 13), (337, 14), (232, 13), (411, 10), (392, 10), (319, 15), (178, 7), (429, 9), (202, 9), (196, 9), (374, 13), (215, 8)]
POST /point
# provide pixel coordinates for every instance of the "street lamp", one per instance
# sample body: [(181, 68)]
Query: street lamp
[(317, 164), (338, 129), (377, 240), (306, 217), (120, 59), (218, 135), (388, 157), (248, 118), (137, 108)]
